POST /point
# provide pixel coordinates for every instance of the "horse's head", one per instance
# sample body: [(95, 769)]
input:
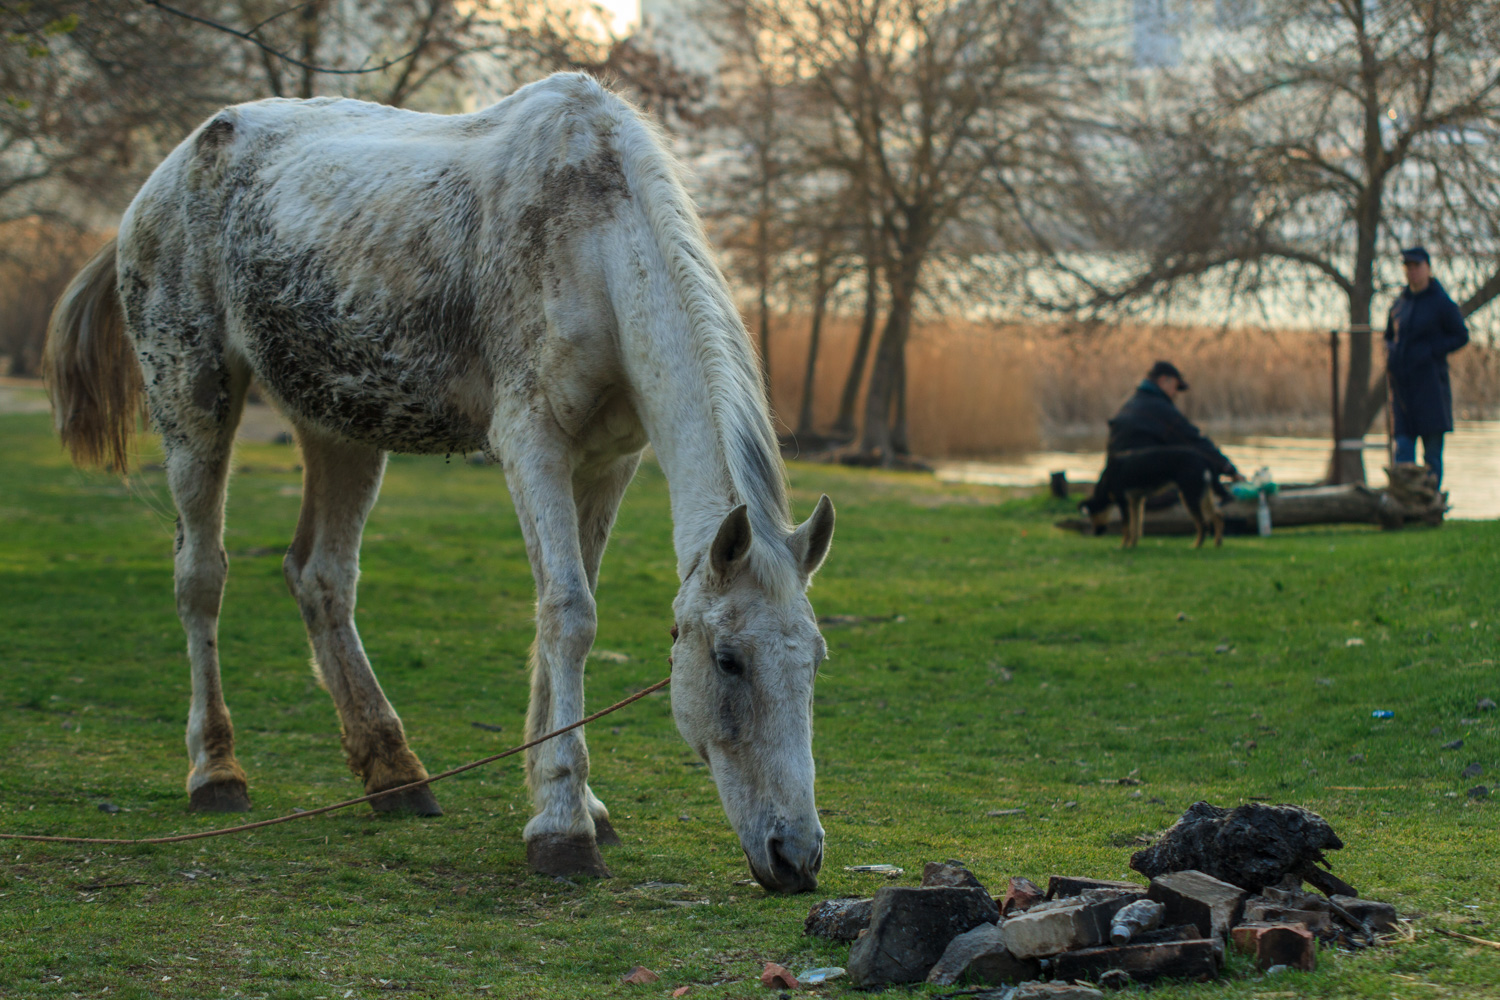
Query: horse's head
[(745, 655)]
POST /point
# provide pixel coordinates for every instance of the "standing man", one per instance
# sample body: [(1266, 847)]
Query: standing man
[(1424, 327), (1151, 419)]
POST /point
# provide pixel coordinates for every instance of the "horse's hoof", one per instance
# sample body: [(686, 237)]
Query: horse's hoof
[(563, 854), (220, 797), (604, 833), (414, 801)]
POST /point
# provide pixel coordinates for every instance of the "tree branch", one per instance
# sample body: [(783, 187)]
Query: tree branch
[(277, 53)]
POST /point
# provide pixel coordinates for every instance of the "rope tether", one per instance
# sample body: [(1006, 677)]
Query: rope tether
[(351, 802)]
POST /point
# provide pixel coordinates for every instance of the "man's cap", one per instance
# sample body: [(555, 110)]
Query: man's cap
[(1415, 255), (1166, 368)]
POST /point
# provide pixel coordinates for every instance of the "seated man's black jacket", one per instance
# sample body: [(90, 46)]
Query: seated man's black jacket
[(1150, 420)]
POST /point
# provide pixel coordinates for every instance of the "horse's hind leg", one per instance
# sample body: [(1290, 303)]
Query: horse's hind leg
[(197, 446), (597, 496), (339, 486)]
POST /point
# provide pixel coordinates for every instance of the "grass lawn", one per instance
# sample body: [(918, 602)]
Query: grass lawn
[(999, 664)]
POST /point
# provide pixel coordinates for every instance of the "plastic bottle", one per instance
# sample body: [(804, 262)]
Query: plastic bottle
[(1141, 916), (1263, 516)]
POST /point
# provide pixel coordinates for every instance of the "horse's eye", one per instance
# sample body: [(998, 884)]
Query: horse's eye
[(729, 663)]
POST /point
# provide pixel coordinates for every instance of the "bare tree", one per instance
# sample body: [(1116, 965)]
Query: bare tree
[(871, 266), (94, 92), (1325, 135), (750, 136), (927, 102)]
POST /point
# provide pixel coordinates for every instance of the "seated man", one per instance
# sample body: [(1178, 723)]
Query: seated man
[(1151, 419)]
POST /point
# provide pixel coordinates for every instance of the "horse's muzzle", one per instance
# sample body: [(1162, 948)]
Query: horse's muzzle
[(788, 861)]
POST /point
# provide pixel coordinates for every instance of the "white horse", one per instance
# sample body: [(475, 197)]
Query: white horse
[(530, 280)]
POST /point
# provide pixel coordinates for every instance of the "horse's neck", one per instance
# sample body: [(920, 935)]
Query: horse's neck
[(676, 406), (680, 422)]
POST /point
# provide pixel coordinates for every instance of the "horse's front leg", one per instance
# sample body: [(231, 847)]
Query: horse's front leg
[(597, 492), (561, 836)]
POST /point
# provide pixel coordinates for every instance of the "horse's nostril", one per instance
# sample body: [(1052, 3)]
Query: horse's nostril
[(781, 866)]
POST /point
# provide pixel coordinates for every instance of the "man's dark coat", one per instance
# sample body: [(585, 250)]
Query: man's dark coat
[(1420, 333), (1149, 419)]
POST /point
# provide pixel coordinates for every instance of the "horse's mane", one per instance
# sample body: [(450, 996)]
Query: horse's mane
[(722, 348)]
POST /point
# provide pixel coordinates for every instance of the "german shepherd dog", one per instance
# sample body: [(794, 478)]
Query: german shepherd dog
[(1129, 478)]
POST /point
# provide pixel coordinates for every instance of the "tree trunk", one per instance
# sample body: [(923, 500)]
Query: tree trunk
[(843, 427), (763, 234), (1362, 399), (763, 279), (820, 305), (876, 441), (900, 438), (1347, 504), (310, 30)]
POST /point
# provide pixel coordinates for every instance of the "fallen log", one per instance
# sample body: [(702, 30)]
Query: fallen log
[(1346, 504)]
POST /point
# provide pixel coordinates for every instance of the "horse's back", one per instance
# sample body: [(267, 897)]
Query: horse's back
[(381, 272)]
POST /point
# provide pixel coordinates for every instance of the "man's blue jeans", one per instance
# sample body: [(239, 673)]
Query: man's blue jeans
[(1432, 451)]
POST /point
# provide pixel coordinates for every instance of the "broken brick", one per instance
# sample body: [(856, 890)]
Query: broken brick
[(910, 928), (1379, 917), (838, 919), (1021, 896), (778, 977), (639, 975), (1202, 900), (1065, 924), (951, 874), (1277, 906), (1055, 991), (1060, 886), (980, 955), (1278, 944), (1197, 959)]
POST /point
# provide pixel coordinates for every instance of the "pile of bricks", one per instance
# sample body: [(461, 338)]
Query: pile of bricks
[(1083, 933)]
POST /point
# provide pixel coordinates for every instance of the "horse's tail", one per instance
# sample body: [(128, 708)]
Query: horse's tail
[(90, 368)]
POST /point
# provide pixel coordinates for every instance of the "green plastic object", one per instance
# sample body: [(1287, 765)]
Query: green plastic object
[(1249, 491)]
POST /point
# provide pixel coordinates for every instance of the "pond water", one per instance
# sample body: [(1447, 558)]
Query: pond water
[(1471, 460)]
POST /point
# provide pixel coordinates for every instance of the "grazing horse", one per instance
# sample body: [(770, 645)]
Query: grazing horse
[(530, 281)]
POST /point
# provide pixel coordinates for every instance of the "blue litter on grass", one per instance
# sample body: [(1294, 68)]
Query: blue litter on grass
[(1382, 713)]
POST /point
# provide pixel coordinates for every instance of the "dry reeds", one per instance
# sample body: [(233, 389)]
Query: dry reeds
[(37, 260), (976, 390), (946, 363)]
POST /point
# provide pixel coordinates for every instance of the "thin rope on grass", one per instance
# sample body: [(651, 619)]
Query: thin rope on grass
[(202, 834)]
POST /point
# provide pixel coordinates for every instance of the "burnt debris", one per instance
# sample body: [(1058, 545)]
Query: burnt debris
[(1251, 846), (1220, 879)]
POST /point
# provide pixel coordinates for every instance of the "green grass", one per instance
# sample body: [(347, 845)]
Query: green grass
[(1025, 668)]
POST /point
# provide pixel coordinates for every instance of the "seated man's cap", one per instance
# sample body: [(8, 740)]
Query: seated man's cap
[(1415, 255), (1167, 368)]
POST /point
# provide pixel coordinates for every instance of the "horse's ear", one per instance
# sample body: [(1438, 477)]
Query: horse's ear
[(809, 543), (731, 544)]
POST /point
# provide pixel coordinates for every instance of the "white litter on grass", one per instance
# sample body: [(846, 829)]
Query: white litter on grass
[(812, 977)]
